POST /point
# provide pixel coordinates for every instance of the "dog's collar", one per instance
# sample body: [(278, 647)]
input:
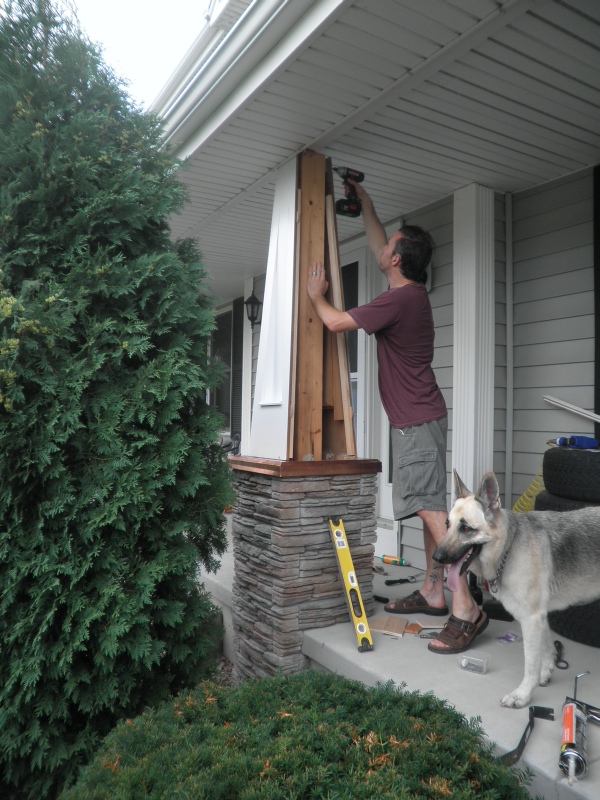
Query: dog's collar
[(493, 584)]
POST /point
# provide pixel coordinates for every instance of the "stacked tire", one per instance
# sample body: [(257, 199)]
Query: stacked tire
[(572, 481)]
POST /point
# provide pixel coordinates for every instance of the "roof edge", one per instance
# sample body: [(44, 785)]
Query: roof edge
[(265, 37)]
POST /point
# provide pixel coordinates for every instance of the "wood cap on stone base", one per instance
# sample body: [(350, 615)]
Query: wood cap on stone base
[(286, 576), (300, 469)]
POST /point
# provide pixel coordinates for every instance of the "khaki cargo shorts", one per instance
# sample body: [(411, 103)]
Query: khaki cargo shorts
[(419, 468)]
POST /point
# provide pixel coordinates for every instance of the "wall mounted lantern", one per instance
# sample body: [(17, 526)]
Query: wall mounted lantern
[(253, 306)]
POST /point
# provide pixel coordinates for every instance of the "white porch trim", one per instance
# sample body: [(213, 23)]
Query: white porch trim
[(474, 291), (270, 413)]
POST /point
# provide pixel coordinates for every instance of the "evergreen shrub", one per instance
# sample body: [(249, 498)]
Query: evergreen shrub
[(311, 735), (112, 485)]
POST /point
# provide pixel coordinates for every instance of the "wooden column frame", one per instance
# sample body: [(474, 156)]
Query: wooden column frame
[(320, 423), (342, 406)]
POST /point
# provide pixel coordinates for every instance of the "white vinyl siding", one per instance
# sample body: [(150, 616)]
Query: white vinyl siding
[(553, 316), (438, 220)]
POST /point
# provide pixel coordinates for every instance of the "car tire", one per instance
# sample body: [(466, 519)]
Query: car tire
[(545, 501), (572, 473), (578, 623)]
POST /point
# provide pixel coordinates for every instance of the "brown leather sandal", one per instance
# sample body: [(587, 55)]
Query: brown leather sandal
[(415, 603), (458, 634)]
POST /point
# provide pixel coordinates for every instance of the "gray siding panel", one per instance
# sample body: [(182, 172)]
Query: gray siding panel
[(553, 317), (438, 220)]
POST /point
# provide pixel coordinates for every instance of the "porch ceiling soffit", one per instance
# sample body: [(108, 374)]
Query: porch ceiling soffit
[(504, 99), (212, 105)]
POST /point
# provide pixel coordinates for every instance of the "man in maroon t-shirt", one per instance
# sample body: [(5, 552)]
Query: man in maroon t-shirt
[(402, 322)]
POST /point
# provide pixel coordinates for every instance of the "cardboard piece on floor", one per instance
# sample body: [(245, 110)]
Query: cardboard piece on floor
[(388, 623)]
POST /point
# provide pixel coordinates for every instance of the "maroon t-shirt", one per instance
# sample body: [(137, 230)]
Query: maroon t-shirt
[(402, 322)]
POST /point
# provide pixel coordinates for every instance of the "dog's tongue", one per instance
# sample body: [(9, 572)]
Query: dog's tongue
[(454, 573)]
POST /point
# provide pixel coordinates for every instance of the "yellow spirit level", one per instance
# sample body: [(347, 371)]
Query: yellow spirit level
[(351, 588)]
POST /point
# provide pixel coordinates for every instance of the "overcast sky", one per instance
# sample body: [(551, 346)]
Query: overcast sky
[(143, 40)]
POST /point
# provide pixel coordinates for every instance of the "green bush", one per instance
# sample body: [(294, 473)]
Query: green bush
[(111, 484), (311, 735)]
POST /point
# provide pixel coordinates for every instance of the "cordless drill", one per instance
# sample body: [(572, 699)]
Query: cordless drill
[(349, 206)]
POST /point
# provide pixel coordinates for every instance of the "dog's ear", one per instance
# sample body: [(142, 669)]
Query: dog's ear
[(460, 489), (489, 491)]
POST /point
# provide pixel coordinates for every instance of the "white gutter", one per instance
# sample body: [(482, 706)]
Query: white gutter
[(190, 64), (220, 17), (272, 33)]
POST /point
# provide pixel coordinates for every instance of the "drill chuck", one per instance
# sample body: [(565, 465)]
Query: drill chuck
[(348, 172)]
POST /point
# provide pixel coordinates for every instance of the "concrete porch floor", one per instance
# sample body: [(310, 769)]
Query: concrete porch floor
[(407, 661)]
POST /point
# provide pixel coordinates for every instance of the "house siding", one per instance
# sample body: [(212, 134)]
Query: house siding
[(553, 310), (438, 220)]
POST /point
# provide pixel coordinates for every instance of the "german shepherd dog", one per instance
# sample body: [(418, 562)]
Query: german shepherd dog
[(534, 562)]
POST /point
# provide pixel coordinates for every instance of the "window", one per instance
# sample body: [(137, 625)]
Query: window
[(350, 289), (227, 346), (221, 349)]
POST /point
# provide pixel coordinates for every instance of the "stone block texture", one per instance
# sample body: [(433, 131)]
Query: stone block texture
[(286, 576)]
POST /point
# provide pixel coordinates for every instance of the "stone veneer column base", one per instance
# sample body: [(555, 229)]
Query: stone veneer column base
[(286, 576)]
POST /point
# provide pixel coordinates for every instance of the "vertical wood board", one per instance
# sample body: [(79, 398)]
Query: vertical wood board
[(308, 420)]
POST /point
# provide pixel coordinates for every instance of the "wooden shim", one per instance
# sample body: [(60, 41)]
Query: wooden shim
[(332, 391), (335, 297), (329, 369), (308, 422)]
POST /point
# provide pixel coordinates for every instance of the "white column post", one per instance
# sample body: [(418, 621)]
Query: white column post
[(270, 413), (474, 322)]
